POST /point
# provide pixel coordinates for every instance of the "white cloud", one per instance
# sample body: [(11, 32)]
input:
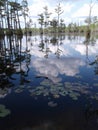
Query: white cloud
[(51, 68), (67, 49), (73, 9), (84, 11), (82, 49), (37, 7)]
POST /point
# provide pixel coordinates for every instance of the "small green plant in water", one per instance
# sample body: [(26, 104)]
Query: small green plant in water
[(3, 111)]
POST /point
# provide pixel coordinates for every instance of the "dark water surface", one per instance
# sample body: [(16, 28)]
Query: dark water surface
[(49, 82)]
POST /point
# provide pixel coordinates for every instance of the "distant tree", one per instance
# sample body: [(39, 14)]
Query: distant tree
[(70, 27), (2, 15), (75, 27), (41, 21), (59, 11), (88, 20), (94, 19), (29, 23), (25, 11), (54, 24), (29, 26), (46, 16), (62, 25), (91, 5), (14, 12)]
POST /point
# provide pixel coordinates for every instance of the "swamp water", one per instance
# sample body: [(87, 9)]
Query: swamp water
[(48, 83)]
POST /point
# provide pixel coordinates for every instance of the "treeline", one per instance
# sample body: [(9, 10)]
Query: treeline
[(58, 24), (72, 28), (10, 13)]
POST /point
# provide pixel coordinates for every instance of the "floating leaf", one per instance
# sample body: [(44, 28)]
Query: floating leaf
[(95, 97), (28, 87), (58, 84), (18, 90), (46, 94), (95, 84), (63, 93), (73, 96), (52, 104), (56, 96), (39, 88), (38, 93), (78, 76), (22, 86), (3, 111)]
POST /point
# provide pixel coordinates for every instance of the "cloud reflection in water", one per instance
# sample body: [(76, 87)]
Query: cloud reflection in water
[(51, 68)]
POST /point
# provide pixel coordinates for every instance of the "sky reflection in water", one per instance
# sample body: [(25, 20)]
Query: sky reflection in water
[(58, 75)]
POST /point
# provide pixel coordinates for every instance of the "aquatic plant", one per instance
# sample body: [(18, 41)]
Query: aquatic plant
[(45, 83), (52, 104), (47, 88), (95, 84), (18, 90), (3, 111), (73, 90)]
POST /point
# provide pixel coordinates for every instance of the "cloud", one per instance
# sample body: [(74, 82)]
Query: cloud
[(35, 49), (51, 68), (92, 50), (37, 7), (84, 11), (73, 9), (67, 49)]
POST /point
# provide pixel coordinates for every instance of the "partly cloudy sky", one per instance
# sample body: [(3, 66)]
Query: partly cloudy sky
[(74, 10)]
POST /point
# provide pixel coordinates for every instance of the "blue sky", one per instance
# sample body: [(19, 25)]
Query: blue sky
[(74, 10)]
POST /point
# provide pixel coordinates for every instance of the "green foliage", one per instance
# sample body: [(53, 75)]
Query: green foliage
[(54, 25), (1, 32), (18, 32), (9, 32)]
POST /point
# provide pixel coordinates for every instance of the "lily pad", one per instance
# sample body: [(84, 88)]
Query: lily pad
[(74, 96), (52, 104), (18, 90), (95, 84), (29, 87), (3, 111), (95, 97), (46, 94), (63, 93), (56, 96), (78, 76), (22, 86), (45, 83)]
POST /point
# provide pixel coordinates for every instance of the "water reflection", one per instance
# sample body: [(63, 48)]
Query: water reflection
[(52, 68), (15, 57), (13, 60), (4, 92), (44, 79), (91, 113), (95, 64), (57, 41), (47, 46)]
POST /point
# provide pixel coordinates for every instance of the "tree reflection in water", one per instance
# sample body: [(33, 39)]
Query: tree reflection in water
[(12, 58), (54, 97), (91, 41)]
